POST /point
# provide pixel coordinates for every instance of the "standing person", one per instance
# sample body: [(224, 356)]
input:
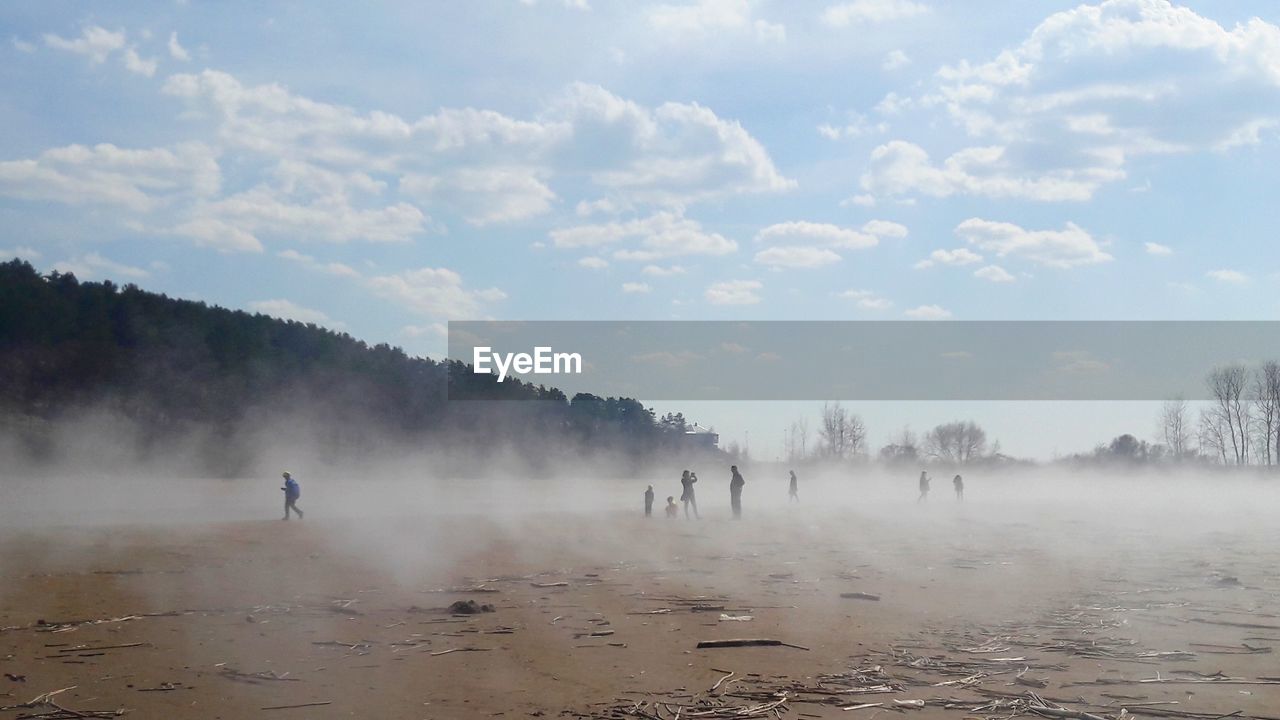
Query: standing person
[(924, 486), (648, 502), (959, 483), (687, 479), (793, 492), (735, 491), (291, 494), (672, 508)]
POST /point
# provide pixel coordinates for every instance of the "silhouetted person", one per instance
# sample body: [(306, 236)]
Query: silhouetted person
[(735, 491), (648, 502), (672, 508), (687, 479), (959, 483), (793, 492), (291, 494), (924, 486)]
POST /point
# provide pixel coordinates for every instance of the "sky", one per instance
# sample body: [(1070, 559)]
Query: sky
[(383, 168)]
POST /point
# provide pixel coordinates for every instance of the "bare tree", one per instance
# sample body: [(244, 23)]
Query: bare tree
[(796, 440), (903, 448), (1174, 427), (1227, 384), (1266, 402), (842, 432), (956, 442), (1212, 434)]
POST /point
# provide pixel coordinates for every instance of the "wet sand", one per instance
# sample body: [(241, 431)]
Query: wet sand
[(981, 612)]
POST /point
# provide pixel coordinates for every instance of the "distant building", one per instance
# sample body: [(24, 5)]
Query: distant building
[(702, 438)]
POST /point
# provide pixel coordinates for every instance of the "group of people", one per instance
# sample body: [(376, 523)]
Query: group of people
[(957, 482), (690, 499)]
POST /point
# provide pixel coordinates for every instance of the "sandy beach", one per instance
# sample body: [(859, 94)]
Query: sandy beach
[(967, 610)]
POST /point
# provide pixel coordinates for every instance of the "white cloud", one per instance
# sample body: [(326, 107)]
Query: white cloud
[(176, 51), (95, 43), (734, 292), (22, 45), (289, 310), (1070, 247), (1067, 110), (1153, 248), (796, 256), (819, 233), (632, 288), (867, 12), (857, 126), (959, 256), (659, 271), (95, 267), (1230, 277), (867, 300), (219, 235), (139, 180), (134, 63), (902, 168), (928, 312), (593, 263), (22, 252), (885, 229), (486, 195), (435, 292), (702, 18), (993, 273), (661, 235), (895, 59)]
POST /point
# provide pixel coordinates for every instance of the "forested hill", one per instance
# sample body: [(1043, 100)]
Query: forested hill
[(176, 368)]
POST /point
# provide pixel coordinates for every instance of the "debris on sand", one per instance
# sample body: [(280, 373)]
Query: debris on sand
[(746, 642), (469, 607), (860, 596), (726, 617)]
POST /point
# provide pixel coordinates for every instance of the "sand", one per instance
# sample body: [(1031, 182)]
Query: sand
[(597, 613)]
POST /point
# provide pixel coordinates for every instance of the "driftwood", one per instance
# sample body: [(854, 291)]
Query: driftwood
[(746, 642), (300, 705), (859, 596)]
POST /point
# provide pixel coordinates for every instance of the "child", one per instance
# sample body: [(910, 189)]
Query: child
[(672, 507), (291, 494)]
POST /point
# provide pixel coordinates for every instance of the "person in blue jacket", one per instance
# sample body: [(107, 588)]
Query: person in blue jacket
[(291, 494)]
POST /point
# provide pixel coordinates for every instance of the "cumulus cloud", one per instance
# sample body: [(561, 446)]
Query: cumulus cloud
[(1154, 248), (1067, 248), (138, 180), (22, 252), (661, 235), (289, 310), (96, 267), (993, 273), (700, 18), (660, 271), (866, 299), (634, 288), (176, 51), (1229, 277), (867, 12), (734, 292), (435, 292), (1068, 109), (823, 234), (95, 43), (486, 195), (135, 63), (928, 312), (959, 256), (593, 263), (796, 256), (895, 59)]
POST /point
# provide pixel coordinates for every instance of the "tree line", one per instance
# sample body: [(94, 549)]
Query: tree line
[(173, 367)]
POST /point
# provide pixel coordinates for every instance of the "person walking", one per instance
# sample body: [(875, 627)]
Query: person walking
[(793, 492), (291, 494), (924, 486), (648, 502), (687, 480), (958, 482), (735, 491)]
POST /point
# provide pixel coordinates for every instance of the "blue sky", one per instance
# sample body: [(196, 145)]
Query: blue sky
[(383, 168)]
